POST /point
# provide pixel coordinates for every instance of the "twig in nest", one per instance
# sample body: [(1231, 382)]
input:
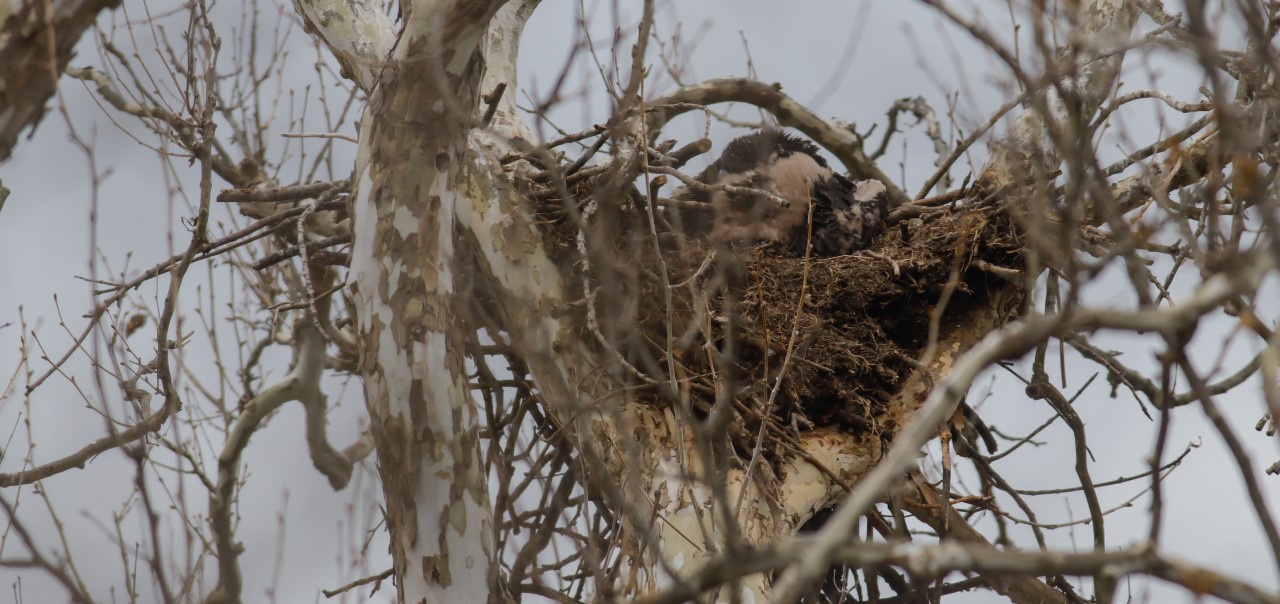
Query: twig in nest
[(897, 271), (681, 156), (491, 100), (702, 268), (582, 161), (569, 138), (943, 198), (685, 204), (1008, 274), (908, 211), (744, 192)]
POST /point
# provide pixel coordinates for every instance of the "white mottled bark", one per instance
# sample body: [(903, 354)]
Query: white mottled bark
[(691, 529), (410, 324), (502, 52), (357, 32)]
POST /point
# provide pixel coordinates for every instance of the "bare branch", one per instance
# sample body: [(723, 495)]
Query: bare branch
[(842, 142)]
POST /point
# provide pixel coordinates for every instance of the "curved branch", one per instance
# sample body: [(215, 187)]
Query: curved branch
[(158, 118), (303, 385), (841, 142), (78, 459)]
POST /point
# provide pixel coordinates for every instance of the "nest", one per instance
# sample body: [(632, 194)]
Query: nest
[(848, 329), (865, 318)]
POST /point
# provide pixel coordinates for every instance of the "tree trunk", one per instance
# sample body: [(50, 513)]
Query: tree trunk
[(410, 325)]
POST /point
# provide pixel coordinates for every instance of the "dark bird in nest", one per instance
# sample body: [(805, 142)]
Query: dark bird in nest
[(759, 170)]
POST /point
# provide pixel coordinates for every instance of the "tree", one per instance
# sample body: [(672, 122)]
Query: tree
[(572, 397)]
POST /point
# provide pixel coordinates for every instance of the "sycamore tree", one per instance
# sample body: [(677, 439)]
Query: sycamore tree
[(569, 395)]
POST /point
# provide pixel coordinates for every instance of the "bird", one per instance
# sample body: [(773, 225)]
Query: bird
[(771, 164)]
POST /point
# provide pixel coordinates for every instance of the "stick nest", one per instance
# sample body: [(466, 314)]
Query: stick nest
[(728, 319), (867, 317)]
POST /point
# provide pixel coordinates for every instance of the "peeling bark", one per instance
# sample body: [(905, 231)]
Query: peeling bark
[(690, 529), (36, 39), (411, 327), (357, 32)]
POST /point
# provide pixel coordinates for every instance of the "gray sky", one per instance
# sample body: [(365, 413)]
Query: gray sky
[(854, 58)]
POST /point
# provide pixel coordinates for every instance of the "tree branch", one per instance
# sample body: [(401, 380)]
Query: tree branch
[(36, 40), (842, 142)]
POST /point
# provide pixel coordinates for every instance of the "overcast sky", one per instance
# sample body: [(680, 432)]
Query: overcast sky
[(849, 60)]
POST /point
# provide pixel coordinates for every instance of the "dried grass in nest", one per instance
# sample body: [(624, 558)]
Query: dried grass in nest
[(864, 320), (865, 317), (873, 310)]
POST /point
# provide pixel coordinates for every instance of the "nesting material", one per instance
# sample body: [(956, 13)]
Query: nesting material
[(727, 316)]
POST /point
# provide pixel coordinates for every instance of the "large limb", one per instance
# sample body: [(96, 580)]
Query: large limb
[(930, 560), (36, 39), (404, 291)]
